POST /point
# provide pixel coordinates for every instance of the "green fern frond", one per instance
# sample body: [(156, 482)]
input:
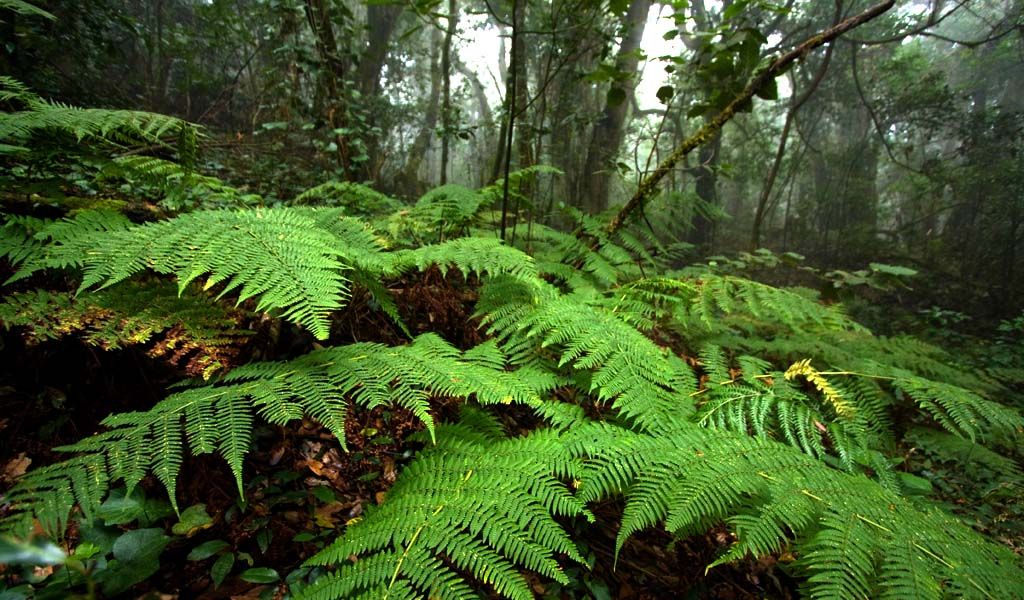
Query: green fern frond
[(219, 417), (473, 255), (291, 259), (356, 199), (951, 447), (447, 210), (719, 295), (854, 538), (117, 128), (642, 381), (961, 411), (190, 327), (24, 8), (486, 509)]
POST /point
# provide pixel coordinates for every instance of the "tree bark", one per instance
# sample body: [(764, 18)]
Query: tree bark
[(446, 106), (611, 126), (327, 48), (420, 146)]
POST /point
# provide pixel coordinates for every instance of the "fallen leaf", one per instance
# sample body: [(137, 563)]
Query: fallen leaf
[(16, 467), (324, 515)]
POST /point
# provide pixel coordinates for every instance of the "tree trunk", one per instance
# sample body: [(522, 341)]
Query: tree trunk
[(410, 182), (333, 70), (611, 126), (446, 107)]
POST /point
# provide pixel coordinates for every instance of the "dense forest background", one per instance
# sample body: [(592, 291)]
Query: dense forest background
[(900, 143), (558, 299)]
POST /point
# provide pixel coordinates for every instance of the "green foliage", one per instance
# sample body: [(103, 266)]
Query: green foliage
[(638, 379), (188, 326), (220, 417), (358, 200), (857, 540), (472, 255), (41, 122), (473, 505), (24, 8), (290, 259), (700, 397), (446, 211)]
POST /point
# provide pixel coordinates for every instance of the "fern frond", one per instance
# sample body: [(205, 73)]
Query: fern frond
[(291, 259), (188, 326), (961, 411), (356, 199), (719, 295), (24, 8), (804, 369), (447, 209), (118, 128), (643, 382), (951, 447), (854, 538), (219, 417), (486, 509), (472, 255)]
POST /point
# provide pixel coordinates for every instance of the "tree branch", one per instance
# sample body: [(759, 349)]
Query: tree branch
[(712, 127)]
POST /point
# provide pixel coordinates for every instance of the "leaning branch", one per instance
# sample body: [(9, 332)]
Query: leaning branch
[(712, 127)]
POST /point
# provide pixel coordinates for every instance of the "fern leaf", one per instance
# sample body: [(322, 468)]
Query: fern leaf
[(485, 508)]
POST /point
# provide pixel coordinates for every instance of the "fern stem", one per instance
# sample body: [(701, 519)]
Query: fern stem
[(416, 535)]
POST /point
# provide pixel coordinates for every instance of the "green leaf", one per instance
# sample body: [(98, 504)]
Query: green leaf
[(665, 93), (38, 552), (616, 96), (120, 508), (260, 575), (207, 549), (769, 91), (221, 568), (140, 545), (136, 558), (914, 485), (193, 519), (895, 270)]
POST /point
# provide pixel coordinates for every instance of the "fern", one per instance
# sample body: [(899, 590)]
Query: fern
[(356, 199), (961, 411), (641, 381), (854, 538), (290, 259), (219, 417), (24, 8), (447, 210), (954, 448), (116, 128), (723, 295), (479, 508), (479, 256), (188, 326)]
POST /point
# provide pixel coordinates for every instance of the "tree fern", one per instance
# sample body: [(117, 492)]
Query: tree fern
[(483, 509)]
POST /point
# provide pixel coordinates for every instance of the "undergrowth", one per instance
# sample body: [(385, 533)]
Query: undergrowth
[(694, 398)]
